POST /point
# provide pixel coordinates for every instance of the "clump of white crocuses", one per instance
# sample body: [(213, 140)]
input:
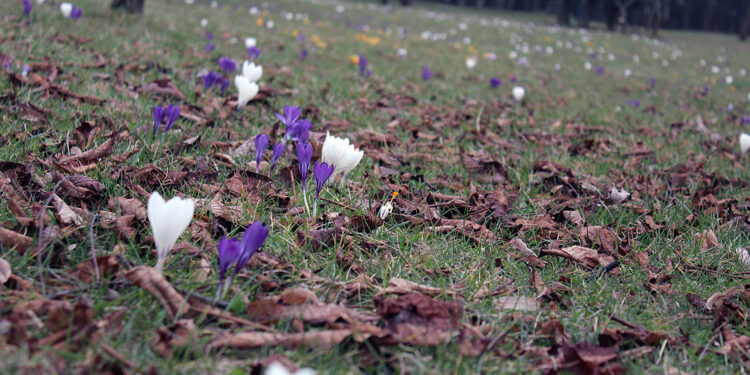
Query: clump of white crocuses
[(341, 154), (247, 86), (168, 220)]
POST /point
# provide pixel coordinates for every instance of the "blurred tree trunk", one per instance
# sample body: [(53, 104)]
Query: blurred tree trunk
[(585, 15), (610, 13), (480, 4), (132, 6), (708, 16), (745, 27), (563, 12)]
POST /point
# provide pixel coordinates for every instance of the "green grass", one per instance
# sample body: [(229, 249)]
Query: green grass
[(168, 42)]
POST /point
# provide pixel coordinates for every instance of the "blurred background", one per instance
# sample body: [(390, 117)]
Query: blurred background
[(725, 16)]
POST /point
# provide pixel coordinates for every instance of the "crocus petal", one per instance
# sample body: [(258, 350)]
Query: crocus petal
[(251, 71), (229, 252), (246, 90), (253, 238), (66, 8), (168, 220), (744, 142)]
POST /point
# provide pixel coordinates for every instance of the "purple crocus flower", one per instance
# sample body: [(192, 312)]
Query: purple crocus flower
[(303, 54), (300, 37), (304, 155), (495, 82), (744, 120), (254, 237), (322, 172), (636, 103), (76, 13), (159, 114), (224, 83), (426, 73), (261, 144), (209, 35), (227, 64), (363, 71), (599, 70), (210, 47), (7, 65), (211, 79), (239, 253), (27, 7), (229, 252), (629, 103), (253, 53), (278, 152), (653, 82), (513, 79), (299, 131), (291, 115), (705, 90), (172, 114)]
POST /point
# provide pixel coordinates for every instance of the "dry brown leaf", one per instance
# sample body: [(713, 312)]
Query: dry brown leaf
[(128, 206), (398, 285), (14, 239), (517, 303), (154, 282), (707, 239), (324, 339), (165, 339), (66, 215)]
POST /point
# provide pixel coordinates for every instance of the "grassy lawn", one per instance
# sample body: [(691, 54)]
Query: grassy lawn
[(478, 175)]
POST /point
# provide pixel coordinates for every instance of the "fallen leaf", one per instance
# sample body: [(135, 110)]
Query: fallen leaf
[(516, 303)]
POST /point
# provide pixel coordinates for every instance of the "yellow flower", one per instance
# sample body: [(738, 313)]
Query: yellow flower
[(354, 59), (306, 21), (259, 22), (295, 32)]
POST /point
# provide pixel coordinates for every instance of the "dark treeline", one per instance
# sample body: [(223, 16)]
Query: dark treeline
[(727, 16)]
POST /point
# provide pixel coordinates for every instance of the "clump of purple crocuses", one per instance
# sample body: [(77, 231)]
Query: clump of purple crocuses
[(232, 251), (296, 129), (227, 65), (27, 7), (214, 79), (167, 116)]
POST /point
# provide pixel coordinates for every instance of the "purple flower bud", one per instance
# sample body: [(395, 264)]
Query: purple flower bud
[(254, 237), (227, 64), (209, 35), (304, 155), (172, 114), (637, 103), (261, 144), (495, 82), (224, 83), (253, 53), (322, 172), (159, 115), (303, 54), (599, 70), (426, 73), (27, 7), (300, 37), (653, 82), (278, 152), (76, 13), (363, 62), (210, 47)]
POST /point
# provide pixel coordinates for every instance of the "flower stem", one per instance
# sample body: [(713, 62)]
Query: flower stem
[(304, 198)]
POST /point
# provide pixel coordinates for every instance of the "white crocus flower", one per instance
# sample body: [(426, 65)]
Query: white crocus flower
[(518, 93), (251, 71), (385, 210), (587, 65), (204, 23), (341, 154), (66, 9), (250, 42), (744, 142), (729, 80), (471, 62), (168, 220), (246, 90)]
